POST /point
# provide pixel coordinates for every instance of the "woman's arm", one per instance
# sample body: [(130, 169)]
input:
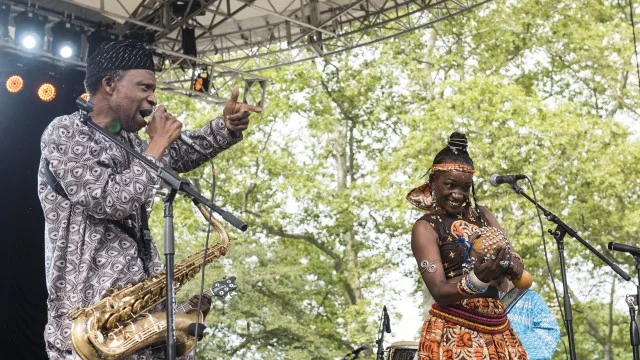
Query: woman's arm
[(424, 244)]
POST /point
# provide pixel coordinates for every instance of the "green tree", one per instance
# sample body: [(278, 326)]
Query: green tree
[(540, 88)]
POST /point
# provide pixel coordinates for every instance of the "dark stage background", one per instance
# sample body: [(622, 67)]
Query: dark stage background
[(23, 118)]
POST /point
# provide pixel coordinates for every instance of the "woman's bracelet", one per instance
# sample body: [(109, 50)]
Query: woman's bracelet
[(468, 287), (477, 282)]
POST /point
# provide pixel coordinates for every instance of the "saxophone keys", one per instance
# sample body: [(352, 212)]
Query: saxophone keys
[(146, 301), (125, 313), (112, 322), (137, 306)]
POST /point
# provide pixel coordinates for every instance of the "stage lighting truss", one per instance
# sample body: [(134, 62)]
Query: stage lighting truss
[(66, 39), (97, 37), (30, 30), (15, 83), (5, 11), (237, 38), (47, 92)]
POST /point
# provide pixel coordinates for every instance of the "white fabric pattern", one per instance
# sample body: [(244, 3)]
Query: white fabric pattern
[(85, 253)]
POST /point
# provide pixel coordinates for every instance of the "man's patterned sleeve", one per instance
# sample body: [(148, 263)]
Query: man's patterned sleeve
[(213, 138), (80, 160)]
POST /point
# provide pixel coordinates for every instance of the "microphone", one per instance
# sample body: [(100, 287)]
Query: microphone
[(496, 179), (84, 105), (87, 106), (184, 138), (386, 322), (196, 330), (624, 248), (191, 143)]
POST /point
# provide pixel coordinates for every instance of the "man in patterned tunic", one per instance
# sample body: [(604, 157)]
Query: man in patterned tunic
[(106, 191)]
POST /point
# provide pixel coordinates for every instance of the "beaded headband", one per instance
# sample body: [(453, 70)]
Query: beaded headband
[(452, 167)]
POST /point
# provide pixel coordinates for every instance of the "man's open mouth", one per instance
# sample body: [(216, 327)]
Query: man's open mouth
[(145, 113)]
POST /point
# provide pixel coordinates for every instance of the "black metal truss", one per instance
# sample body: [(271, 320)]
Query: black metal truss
[(237, 38)]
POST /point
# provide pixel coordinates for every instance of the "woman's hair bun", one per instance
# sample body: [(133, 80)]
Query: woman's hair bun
[(457, 142)]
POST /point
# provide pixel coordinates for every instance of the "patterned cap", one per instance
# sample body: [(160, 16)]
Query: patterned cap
[(119, 55)]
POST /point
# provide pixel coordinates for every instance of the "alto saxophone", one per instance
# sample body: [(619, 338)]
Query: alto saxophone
[(120, 324)]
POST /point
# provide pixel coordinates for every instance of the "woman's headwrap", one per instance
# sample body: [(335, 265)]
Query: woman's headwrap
[(420, 197)]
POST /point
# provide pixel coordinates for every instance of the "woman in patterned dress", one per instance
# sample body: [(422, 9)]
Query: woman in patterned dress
[(467, 320)]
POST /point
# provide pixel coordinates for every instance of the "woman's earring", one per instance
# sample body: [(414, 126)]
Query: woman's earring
[(433, 197)]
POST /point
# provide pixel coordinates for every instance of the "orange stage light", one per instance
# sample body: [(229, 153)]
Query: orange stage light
[(47, 92), (15, 84)]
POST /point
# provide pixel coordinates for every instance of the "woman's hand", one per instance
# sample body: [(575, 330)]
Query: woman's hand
[(517, 268), (492, 268)]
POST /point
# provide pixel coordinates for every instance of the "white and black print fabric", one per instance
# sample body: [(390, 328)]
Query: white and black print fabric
[(85, 253)]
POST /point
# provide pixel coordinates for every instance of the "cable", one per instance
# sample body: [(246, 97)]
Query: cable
[(206, 246), (635, 40), (546, 258)]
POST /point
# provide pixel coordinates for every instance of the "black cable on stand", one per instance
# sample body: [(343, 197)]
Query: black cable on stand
[(635, 40), (632, 302), (559, 233), (206, 242), (175, 183)]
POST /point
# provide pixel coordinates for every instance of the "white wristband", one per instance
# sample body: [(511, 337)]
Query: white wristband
[(477, 282)]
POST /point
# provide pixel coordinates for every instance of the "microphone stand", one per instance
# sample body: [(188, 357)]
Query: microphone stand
[(632, 301), (560, 231), (175, 183), (384, 327)]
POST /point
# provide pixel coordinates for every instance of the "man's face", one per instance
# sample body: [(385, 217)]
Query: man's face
[(133, 98)]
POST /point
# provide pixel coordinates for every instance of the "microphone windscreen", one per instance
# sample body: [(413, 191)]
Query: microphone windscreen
[(493, 180), (196, 330)]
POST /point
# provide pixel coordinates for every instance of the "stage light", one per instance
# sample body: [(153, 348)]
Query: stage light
[(66, 40), (189, 41), (158, 61), (97, 37), (30, 30), (15, 84), (47, 92), (179, 7), (85, 96), (5, 10), (201, 83)]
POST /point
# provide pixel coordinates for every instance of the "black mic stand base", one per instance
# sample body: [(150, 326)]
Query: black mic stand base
[(169, 253), (632, 301), (558, 234)]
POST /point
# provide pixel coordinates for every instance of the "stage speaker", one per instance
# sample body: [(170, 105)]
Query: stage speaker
[(403, 350)]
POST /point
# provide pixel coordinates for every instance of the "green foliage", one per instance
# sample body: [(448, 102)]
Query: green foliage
[(539, 87)]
